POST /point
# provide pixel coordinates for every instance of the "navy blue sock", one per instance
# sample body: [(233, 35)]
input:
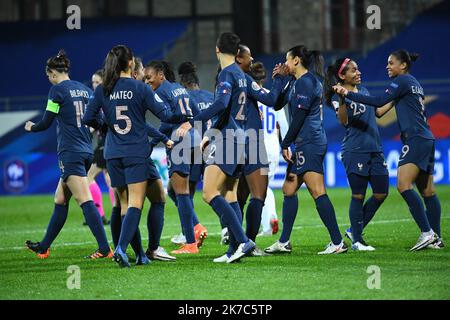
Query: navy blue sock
[(242, 203), (136, 243), (95, 223), (417, 210), (326, 212), (155, 223), (130, 224), (172, 195), (195, 220), (356, 218), (233, 244), (55, 225), (253, 217), (433, 206), (290, 207), (370, 208), (116, 225), (223, 209), (185, 212)]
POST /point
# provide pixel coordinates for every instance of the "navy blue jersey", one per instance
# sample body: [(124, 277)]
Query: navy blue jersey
[(229, 103), (68, 100), (407, 94), (179, 102), (361, 131), (203, 99), (306, 95), (124, 111)]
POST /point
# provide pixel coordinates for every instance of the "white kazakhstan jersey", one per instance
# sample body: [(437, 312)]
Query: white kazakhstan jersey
[(270, 118)]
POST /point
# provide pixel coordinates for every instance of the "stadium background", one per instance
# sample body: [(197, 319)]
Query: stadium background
[(33, 30)]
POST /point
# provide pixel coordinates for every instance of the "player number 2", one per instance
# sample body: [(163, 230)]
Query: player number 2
[(241, 101), (120, 116)]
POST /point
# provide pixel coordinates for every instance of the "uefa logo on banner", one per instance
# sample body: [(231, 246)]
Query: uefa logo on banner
[(15, 176)]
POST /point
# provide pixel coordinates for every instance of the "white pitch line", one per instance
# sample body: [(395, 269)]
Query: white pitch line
[(70, 244)]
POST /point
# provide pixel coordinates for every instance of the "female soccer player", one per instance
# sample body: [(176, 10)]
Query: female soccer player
[(99, 162), (66, 103), (416, 163), (221, 177), (275, 126), (307, 133), (124, 102), (202, 99), (256, 168), (362, 153), (162, 79)]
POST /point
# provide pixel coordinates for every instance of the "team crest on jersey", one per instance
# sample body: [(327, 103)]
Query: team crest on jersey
[(255, 86), (15, 176), (157, 98), (360, 166), (335, 106)]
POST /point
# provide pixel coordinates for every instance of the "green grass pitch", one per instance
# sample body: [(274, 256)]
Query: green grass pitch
[(299, 275)]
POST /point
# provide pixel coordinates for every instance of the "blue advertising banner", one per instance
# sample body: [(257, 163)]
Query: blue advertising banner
[(37, 173)]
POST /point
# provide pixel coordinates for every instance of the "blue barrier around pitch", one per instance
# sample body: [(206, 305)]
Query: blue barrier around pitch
[(37, 173)]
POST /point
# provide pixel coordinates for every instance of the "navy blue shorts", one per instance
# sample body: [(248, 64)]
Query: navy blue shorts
[(196, 172), (154, 174), (228, 156), (178, 161), (197, 166), (255, 157), (419, 151), (74, 164), (307, 158), (124, 171), (365, 164)]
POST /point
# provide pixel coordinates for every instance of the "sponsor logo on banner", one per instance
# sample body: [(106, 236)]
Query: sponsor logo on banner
[(15, 176)]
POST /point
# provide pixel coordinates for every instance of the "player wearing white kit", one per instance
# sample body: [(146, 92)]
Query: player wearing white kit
[(274, 123)]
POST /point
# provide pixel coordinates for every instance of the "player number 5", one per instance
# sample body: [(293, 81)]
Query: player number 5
[(120, 116)]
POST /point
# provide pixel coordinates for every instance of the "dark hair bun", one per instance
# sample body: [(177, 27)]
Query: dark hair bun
[(186, 68), (59, 63)]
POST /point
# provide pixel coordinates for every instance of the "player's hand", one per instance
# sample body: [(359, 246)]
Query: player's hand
[(204, 143), (28, 126), (340, 90), (261, 115), (183, 129), (169, 144), (287, 155), (276, 69)]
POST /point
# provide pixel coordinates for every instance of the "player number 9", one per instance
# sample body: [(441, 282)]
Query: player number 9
[(405, 150)]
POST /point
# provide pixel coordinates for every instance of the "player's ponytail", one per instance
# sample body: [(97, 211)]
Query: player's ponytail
[(116, 61), (309, 59), (188, 74), (339, 67), (59, 63), (168, 71), (405, 57)]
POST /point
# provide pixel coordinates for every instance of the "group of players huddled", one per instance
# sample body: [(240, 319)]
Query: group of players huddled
[(232, 140)]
